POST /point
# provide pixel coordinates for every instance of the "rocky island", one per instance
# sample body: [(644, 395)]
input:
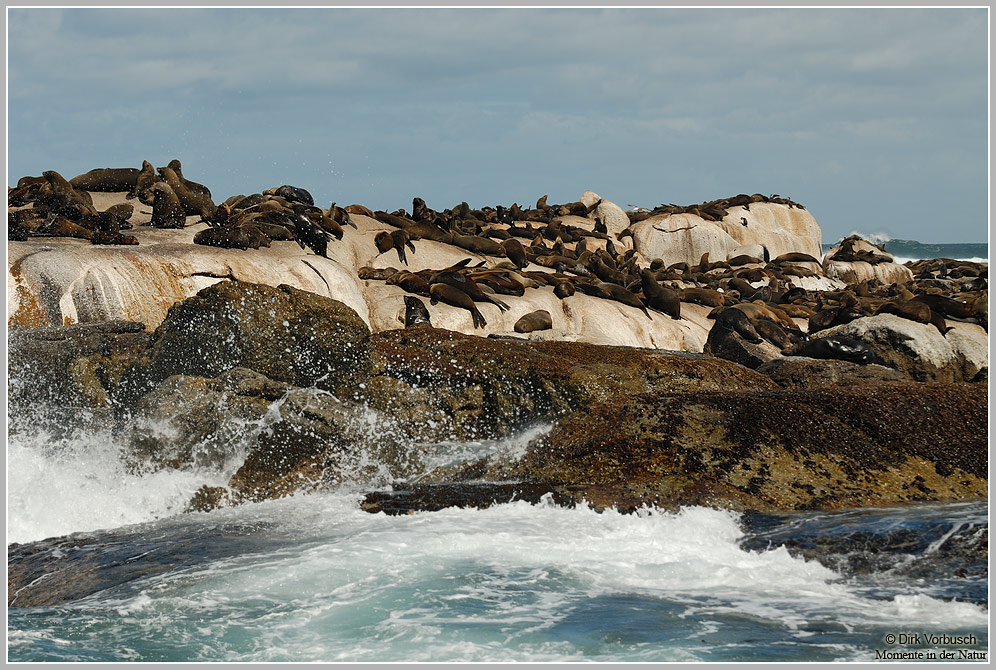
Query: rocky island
[(703, 354)]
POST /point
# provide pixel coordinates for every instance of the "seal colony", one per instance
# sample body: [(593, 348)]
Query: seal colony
[(587, 246)]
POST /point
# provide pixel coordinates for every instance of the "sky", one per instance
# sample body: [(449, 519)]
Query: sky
[(876, 120)]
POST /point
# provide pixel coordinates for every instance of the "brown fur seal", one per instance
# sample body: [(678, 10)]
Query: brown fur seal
[(457, 298), (193, 203), (837, 347), (167, 212), (623, 295), (410, 282), (658, 297), (106, 180), (479, 245), (515, 252), (143, 182), (795, 257), (416, 313), (107, 237), (399, 240), (538, 320), (735, 321), (702, 296), (174, 165), (563, 289), (467, 285), (226, 238)]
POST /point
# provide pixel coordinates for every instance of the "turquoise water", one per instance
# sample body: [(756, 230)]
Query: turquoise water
[(315, 578)]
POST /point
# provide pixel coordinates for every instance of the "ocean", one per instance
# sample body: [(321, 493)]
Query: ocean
[(317, 578), (904, 251)]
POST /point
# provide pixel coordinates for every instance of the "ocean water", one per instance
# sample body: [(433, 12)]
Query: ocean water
[(905, 251), (316, 578)]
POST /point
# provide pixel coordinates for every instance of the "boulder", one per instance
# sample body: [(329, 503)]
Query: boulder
[(491, 388), (611, 214), (858, 271), (731, 346), (44, 367), (801, 372), (879, 444), (679, 238), (281, 438), (287, 334), (917, 349)]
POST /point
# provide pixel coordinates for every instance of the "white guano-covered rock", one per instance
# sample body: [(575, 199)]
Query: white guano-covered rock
[(918, 349), (677, 238)]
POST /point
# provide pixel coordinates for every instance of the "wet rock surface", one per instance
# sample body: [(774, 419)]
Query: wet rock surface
[(285, 333), (767, 450)]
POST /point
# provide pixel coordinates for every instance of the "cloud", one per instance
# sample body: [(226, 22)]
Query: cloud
[(653, 104)]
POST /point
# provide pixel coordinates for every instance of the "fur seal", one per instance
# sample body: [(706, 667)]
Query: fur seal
[(193, 203), (226, 238), (399, 240), (167, 212), (538, 320), (174, 165), (563, 289), (456, 298), (515, 252), (658, 297), (466, 285), (416, 313), (836, 346), (291, 193), (144, 181), (311, 234), (106, 180), (623, 295), (108, 237), (409, 282), (736, 321)]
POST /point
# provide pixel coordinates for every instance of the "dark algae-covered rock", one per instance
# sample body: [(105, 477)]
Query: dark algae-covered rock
[(495, 386), (768, 450), (290, 439), (287, 334)]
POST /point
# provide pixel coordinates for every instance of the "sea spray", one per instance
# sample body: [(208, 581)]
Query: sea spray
[(81, 483)]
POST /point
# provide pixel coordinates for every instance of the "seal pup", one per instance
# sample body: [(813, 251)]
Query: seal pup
[(416, 313), (457, 298)]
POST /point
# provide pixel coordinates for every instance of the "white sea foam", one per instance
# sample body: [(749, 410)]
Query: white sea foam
[(61, 486), (512, 582)]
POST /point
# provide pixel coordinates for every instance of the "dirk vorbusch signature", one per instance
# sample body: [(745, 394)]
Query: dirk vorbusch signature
[(938, 640)]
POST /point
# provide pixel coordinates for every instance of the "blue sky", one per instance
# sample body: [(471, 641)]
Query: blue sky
[(875, 120)]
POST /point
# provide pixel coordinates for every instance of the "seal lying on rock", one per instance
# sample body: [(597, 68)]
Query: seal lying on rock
[(538, 320), (837, 346)]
